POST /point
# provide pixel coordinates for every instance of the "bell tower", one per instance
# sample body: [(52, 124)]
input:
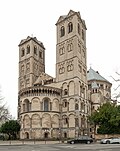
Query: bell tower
[(71, 71), (71, 47), (31, 61)]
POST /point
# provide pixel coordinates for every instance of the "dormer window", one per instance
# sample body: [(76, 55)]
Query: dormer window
[(70, 27), (28, 49), (22, 52), (62, 31)]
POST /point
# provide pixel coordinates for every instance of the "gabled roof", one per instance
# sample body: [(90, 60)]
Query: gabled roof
[(71, 12), (61, 18), (42, 78), (94, 75), (31, 38)]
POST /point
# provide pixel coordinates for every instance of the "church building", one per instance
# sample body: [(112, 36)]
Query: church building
[(58, 107)]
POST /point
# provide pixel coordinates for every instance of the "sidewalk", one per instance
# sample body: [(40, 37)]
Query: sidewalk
[(32, 142), (12, 142)]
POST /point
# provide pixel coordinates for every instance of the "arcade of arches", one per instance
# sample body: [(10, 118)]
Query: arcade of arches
[(46, 125)]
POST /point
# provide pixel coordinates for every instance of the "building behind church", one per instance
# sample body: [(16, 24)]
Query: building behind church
[(58, 107)]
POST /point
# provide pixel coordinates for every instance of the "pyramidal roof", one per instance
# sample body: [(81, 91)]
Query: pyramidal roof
[(94, 75)]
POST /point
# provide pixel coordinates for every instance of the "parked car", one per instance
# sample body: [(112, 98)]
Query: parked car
[(81, 139), (112, 140)]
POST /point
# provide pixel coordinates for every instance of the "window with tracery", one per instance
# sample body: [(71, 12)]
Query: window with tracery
[(70, 27)]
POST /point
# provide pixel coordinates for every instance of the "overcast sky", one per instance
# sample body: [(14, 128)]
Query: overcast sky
[(22, 18)]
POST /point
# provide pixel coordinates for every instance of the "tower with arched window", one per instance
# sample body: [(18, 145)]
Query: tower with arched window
[(71, 71), (71, 47), (31, 61)]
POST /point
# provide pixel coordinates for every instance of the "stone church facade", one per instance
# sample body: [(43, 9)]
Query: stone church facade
[(58, 107)]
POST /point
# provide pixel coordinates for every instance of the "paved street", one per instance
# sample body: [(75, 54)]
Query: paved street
[(61, 147)]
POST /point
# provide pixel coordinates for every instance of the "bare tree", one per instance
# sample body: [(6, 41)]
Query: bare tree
[(116, 83), (4, 113)]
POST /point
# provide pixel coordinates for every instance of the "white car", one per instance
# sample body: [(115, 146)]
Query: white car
[(114, 140)]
